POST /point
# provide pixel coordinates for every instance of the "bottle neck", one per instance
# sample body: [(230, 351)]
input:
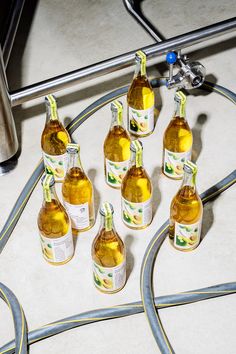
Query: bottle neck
[(74, 161), (179, 109), (189, 180), (136, 158), (50, 196), (140, 68), (51, 112), (117, 119), (107, 222)]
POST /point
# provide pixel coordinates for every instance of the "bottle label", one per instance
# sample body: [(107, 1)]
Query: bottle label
[(56, 165), (174, 162), (115, 172), (79, 215), (57, 250), (141, 122), (187, 236), (109, 279), (137, 215)]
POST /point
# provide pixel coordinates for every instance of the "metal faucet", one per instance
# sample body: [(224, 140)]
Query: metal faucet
[(190, 74)]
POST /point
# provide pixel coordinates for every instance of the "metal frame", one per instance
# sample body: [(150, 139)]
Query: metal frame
[(8, 139), (8, 41), (134, 8), (119, 62), (190, 75)]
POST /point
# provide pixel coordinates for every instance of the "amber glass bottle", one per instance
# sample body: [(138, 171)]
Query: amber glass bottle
[(108, 254), (140, 100), (178, 140), (136, 191), (116, 148), (54, 140), (54, 226), (186, 212), (77, 191)]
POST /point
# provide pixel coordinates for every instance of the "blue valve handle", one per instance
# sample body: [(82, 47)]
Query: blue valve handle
[(171, 57)]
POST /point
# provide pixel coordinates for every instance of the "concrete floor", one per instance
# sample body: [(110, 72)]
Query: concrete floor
[(69, 34)]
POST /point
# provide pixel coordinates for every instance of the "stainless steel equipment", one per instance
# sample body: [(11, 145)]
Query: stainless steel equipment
[(189, 74)]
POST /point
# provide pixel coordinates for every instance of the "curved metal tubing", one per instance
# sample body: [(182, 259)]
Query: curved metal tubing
[(134, 8), (118, 311), (148, 264), (9, 143), (119, 62), (77, 320), (154, 245), (18, 317)]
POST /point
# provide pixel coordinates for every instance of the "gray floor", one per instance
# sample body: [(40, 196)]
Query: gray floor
[(69, 34)]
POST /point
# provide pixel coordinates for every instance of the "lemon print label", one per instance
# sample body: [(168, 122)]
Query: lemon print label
[(109, 279), (187, 236), (79, 215), (56, 165), (115, 172), (174, 162), (137, 215), (141, 122), (57, 250)]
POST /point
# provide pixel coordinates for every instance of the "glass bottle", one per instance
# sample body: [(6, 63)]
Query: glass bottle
[(53, 141), (54, 226), (136, 191), (108, 254), (77, 192), (116, 148), (140, 100), (178, 140), (186, 212)]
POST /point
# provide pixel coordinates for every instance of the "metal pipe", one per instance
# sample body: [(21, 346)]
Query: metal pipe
[(8, 137), (119, 62), (133, 7), (12, 29)]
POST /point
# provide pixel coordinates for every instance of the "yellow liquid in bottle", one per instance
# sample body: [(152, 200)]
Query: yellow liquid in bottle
[(53, 142), (54, 138), (77, 189), (140, 97), (53, 223), (177, 138), (186, 208), (136, 188), (108, 251), (117, 148)]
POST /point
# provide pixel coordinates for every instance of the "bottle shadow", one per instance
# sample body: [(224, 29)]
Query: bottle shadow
[(157, 106), (197, 136), (97, 197), (67, 120), (128, 241), (208, 215), (156, 195), (207, 219), (75, 240)]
